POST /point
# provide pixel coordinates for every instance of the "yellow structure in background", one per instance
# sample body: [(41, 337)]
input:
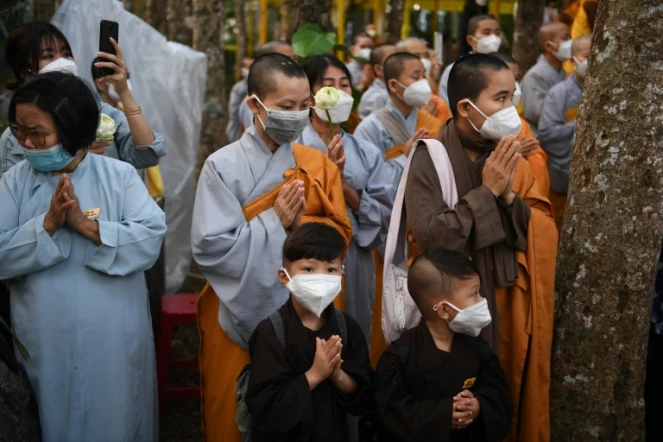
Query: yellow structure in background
[(260, 7)]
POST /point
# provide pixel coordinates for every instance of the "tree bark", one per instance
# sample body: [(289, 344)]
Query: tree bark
[(285, 20), (310, 11), (526, 47), (394, 21), (612, 232), (240, 26), (208, 19)]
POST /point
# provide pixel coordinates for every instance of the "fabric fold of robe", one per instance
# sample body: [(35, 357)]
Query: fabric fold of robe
[(221, 358)]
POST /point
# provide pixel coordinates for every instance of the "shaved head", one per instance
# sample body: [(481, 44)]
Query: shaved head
[(476, 21), (581, 44), (469, 77), (432, 276), (411, 44), (394, 65), (381, 52), (277, 47), (553, 31), (267, 69)]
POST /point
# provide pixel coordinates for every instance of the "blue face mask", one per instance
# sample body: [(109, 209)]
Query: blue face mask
[(48, 160)]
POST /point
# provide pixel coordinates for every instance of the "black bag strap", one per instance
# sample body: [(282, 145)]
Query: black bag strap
[(343, 327), (403, 353), (277, 322)]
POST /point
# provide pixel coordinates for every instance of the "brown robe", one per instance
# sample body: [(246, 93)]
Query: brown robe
[(515, 250)]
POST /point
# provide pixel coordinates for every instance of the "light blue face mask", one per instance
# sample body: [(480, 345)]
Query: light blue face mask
[(48, 160)]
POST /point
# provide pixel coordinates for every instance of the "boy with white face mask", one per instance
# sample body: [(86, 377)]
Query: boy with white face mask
[(251, 195), (436, 106), (557, 125), (303, 384), (500, 218), (484, 36), (554, 39), (396, 127), (439, 378)]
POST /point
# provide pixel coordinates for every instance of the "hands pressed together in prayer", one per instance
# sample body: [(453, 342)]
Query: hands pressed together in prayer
[(527, 146), (501, 167), (290, 204), (327, 365), (418, 135), (336, 152), (65, 208), (466, 409)]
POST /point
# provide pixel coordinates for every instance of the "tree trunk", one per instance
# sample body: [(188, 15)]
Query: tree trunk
[(285, 20), (394, 21), (526, 47), (612, 232), (240, 26), (19, 417), (208, 18), (310, 11)]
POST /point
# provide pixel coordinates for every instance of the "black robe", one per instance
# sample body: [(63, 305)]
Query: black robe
[(418, 405), (279, 397)]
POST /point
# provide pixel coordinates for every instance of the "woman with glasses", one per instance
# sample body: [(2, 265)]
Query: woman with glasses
[(36, 48), (76, 233)]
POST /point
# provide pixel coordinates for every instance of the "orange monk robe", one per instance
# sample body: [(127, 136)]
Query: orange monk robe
[(378, 343), (538, 161), (443, 113), (220, 358)]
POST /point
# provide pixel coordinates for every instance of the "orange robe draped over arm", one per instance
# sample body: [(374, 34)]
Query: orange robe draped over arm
[(538, 161), (220, 359)]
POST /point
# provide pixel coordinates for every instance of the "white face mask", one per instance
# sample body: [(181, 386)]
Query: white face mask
[(471, 320), (60, 65), (112, 94), (488, 44), (363, 53), (244, 72), (341, 112), (427, 66), (481, 2), (314, 292), (563, 50), (417, 94), (581, 67), (517, 95), (499, 125)]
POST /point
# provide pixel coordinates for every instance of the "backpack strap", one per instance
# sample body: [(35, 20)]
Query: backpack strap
[(277, 322), (403, 353), (343, 326)]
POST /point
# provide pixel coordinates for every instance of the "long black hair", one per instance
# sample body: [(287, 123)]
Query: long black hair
[(68, 100), (316, 67)]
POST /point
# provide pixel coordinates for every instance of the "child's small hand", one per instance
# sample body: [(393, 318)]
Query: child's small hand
[(465, 402), (460, 419), (337, 373), (327, 356)]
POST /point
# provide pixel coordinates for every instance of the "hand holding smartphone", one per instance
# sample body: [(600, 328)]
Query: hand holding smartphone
[(108, 30)]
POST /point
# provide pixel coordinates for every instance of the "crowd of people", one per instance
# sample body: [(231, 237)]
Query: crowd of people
[(291, 226)]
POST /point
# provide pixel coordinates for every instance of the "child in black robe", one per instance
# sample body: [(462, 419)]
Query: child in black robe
[(439, 382), (303, 392)]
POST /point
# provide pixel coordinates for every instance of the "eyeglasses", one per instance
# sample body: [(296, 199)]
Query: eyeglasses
[(22, 133)]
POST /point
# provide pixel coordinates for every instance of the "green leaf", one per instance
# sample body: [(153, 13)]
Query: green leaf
[(19, 344), (311, 40)]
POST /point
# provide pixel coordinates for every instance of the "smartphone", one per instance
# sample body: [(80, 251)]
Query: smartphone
[(108, 30)]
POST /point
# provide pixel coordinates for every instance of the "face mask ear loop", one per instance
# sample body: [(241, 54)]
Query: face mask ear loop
[(470, 120), (283, 268)]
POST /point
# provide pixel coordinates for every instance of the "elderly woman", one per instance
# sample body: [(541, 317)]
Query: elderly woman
[(37, 48), (76, 233)]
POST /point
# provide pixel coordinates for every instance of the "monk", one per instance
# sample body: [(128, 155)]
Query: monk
[(250, 195), (437, 107), (530, 147), (557, 126), (376, 96), (503, 222), (555, 42), (394, 129)]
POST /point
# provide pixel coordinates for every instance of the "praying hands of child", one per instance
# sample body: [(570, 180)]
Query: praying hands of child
[(466, 410), (340, 378), (327, 357)]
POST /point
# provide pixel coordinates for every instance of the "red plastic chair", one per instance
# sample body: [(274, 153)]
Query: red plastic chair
[(175, 309)]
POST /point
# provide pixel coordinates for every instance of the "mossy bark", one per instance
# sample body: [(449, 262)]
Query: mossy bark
[(612, 231), (526, 47)]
